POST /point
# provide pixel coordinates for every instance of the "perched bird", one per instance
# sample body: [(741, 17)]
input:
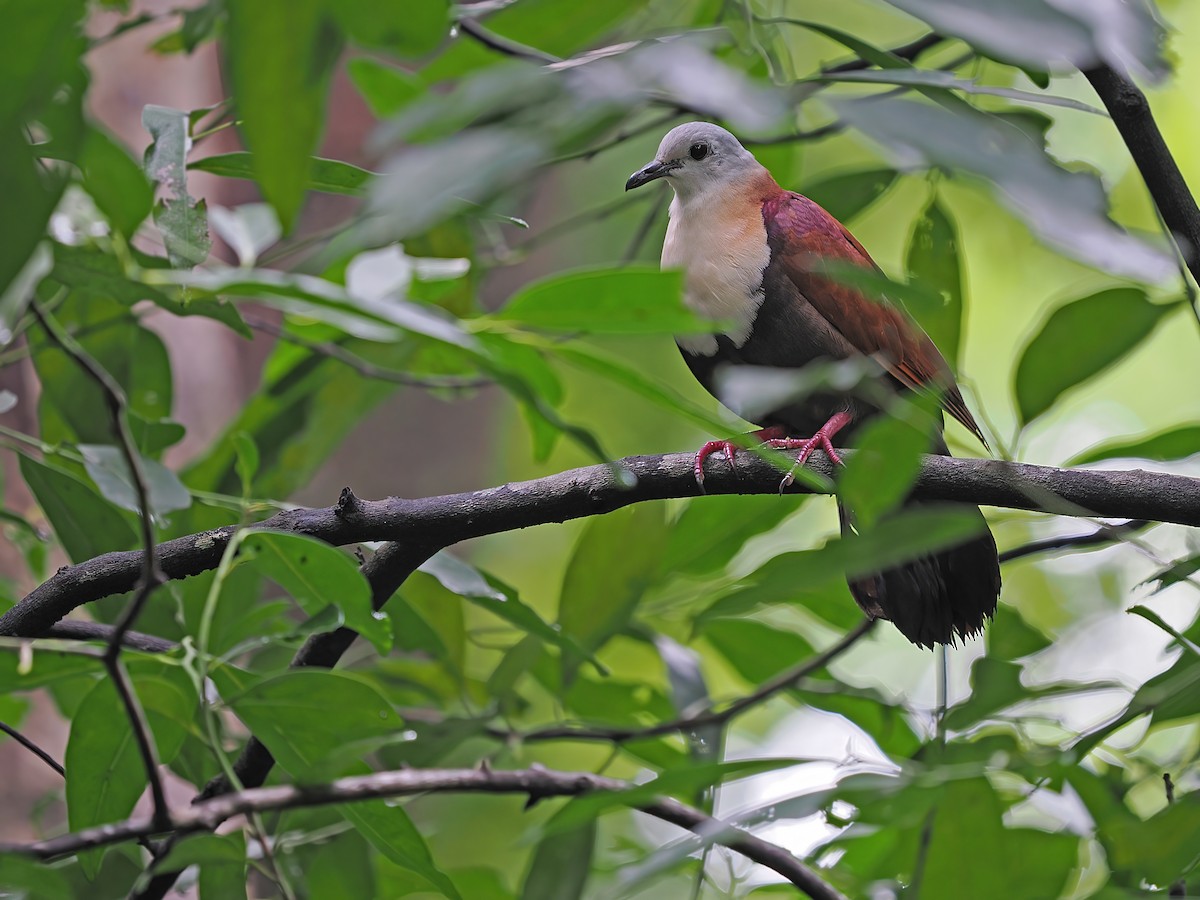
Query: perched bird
[(753, 254)]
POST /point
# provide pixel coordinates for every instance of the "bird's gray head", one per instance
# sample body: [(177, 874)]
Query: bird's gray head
[(694, 158)]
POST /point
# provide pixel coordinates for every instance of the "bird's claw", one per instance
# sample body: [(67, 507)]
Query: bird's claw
[(728, 448)]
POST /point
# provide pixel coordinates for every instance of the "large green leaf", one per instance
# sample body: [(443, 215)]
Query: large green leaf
[(386, 89), (317, 576), (1079, 340), (280, 55), (630, 300), (613, 564), (711, 530), (85, 523), (105, 773), (1068, 210), (107, 468), (306, 716), (116, 182)]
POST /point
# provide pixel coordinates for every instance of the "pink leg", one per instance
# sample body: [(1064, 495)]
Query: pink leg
[(730, 449), (822, 439)]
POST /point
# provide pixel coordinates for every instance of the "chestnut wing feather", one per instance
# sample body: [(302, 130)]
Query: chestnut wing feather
[(803, 237)]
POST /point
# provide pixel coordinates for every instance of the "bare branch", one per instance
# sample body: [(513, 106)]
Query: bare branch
[(536, 783), (503, 45), (593, 490), (711, 716), (1130, 111), (149, 577), (76, 630)]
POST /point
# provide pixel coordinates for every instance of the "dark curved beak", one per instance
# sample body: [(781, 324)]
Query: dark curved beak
[(647, 174)]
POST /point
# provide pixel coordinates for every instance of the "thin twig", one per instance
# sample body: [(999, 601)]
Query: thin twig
[(1105, 534), (150, 575), (33, 748), (536, 783), (503, 45)]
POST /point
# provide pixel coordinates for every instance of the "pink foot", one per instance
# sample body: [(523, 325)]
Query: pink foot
[(823, 439), (729, 449)]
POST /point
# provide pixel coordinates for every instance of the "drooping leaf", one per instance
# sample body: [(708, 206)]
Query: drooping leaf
[(932, 259), (711, 530), (887, 461), (280, 55), (1066, 209), (115, 182), (1079, 340), (316, 576)]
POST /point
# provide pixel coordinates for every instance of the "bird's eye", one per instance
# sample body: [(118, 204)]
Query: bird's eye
[(698, 151)]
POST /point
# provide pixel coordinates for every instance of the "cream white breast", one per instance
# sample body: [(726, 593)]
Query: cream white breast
[(719, 240)]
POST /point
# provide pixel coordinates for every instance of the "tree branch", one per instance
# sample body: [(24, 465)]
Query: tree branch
[(536, 783), (593, 490), (1130, 111), (33, 748)]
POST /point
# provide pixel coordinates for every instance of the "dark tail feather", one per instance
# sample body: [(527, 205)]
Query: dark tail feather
[(935, 599)]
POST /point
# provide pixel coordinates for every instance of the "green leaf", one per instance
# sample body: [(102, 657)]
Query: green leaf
[(30, 879), (756, 650), (390, 831), (202, 850), (43, 667), (180, 218), (280, 55), (631, 300), (107, 468), (889, 450), (316, 576), (105, 774), (331, 176), (1046, 35), (397, 26), (306, 716), (561, 862), (386, 89), (932, 260), (499, 599), (1068, 210), (1079, 340), (85, 523), (613, 564), (712, 530), (115, 182), (935, 78), (1176, 443), (847, 194), (1159, 850)]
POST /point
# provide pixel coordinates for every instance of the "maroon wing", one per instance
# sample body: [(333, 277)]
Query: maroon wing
[(804, 238)]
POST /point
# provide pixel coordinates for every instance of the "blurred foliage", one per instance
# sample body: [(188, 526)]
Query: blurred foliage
[(1028, 764)]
